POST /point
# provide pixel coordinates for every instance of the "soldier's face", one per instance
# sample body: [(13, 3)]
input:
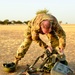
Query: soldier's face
[(46, 26)]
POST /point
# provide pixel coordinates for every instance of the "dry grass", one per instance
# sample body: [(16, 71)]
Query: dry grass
[(11, 37)]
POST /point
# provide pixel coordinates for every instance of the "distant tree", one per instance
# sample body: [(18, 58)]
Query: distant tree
[(9, 22), (13, 22), (66, 23), (19, 22), (60, 22), (6, 21), (1, 22), (26, 22), (16, 22)]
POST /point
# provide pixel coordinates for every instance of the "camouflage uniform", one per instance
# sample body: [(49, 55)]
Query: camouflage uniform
[(57, 36)]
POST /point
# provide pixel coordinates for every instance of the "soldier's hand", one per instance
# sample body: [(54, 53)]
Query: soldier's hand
[(50, 48), (61, 51)]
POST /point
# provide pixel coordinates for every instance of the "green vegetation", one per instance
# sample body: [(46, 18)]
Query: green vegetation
[(7, 22), (42, 11)]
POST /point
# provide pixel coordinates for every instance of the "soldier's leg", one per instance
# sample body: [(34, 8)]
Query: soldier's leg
[(22, 50)]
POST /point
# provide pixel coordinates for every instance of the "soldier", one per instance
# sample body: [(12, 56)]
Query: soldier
[(47, 24)]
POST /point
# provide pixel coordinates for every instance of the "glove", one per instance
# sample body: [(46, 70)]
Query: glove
[(61, 50), (50, 48)]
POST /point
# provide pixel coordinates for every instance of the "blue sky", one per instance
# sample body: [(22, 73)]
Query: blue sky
[(26, 9)]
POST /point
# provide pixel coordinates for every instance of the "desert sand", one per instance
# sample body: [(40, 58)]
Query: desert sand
[(11, 37)]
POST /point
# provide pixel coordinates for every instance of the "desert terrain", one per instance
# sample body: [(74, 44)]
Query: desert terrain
[(11, 37)]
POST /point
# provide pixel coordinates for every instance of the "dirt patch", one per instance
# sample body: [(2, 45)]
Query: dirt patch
[(12, 36)]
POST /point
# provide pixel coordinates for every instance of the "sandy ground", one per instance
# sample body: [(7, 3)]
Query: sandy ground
[(11, 37)]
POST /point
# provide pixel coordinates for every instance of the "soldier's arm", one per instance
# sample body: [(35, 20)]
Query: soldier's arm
[(61, 34), (41, 43), (36, 38)]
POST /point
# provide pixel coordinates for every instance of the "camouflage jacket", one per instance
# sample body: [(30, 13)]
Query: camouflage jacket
[(33, 30)]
